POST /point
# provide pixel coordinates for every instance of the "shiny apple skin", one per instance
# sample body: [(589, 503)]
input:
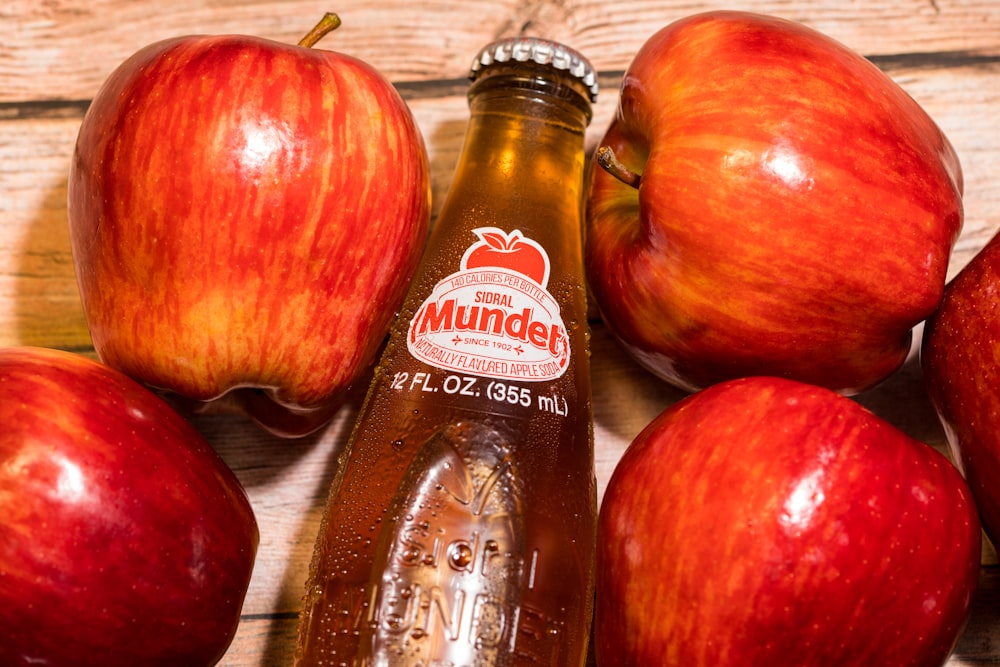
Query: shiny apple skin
[(960, 357), (765, 522), (125, 540), (795, 214), (246, 215)]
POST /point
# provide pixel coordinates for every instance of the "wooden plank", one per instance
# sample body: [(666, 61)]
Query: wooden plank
[(267, 642), (39, 303), (63, 49)]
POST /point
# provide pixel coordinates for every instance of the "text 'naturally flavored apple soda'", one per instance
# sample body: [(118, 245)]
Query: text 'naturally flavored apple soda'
[(460, 527)]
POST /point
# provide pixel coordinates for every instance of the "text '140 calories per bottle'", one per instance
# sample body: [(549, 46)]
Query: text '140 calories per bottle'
[(460, 527)]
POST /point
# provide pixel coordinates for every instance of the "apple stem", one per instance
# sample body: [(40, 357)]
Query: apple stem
[(327, 24), (611, 164)]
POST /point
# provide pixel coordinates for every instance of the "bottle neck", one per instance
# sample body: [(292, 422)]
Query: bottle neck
[(524, 146)]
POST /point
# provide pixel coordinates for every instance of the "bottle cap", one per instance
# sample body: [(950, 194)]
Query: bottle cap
[(540, 51)]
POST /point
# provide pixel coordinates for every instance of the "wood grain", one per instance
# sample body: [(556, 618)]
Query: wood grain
[(63, 49), (55, 54)]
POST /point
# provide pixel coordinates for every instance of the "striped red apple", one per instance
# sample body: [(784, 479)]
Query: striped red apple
[(773, 204), (246, 216)]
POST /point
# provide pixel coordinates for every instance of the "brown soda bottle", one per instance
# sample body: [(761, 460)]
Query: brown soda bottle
[(461, 524)]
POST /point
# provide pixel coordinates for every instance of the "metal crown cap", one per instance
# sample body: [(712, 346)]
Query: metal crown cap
[(541, 51)]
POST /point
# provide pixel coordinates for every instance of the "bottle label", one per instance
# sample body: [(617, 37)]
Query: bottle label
[(494, 317)]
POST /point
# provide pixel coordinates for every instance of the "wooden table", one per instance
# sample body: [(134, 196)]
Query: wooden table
[(55, 54)]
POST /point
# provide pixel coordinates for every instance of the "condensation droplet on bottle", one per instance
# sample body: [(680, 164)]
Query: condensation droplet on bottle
[(460, 555)]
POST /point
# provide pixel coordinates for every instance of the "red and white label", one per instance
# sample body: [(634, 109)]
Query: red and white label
[(494, 316)]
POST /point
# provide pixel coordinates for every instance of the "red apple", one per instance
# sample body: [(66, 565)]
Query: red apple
[(500, 249), (960, 356), (124, 539), (246, 216), (768, 522), (773, 204)]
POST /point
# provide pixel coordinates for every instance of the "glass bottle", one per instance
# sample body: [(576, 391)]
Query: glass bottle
[(460, 526)]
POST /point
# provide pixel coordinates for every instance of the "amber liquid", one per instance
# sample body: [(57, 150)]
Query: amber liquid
[(460, 527)]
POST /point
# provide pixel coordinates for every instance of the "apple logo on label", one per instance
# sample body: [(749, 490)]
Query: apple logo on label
[(505, 250)]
